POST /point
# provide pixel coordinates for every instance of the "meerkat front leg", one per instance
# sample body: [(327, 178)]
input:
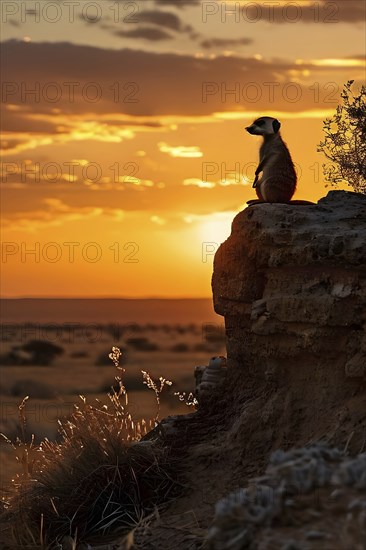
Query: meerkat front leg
[(259, 169), (261, 165), (257, 172)]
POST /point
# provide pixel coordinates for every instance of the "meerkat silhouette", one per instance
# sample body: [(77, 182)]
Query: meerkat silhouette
[(278, 180)]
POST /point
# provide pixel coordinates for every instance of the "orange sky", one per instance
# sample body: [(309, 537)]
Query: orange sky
[(124, 154)]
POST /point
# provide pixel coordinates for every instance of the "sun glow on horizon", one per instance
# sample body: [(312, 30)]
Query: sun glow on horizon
[(217, 228)]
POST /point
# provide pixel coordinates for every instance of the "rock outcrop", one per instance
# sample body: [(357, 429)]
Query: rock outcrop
[(290, 282)]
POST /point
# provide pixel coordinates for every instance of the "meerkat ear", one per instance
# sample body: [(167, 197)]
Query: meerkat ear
[(276, 125)]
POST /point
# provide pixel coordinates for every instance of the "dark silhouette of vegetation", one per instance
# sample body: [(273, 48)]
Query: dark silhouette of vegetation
[(214, 334), (180, 348), (79, 354), (14, 357), (35, 352), (345, 141), (100, 479), (141, 344), (34, 388), (42, 353)]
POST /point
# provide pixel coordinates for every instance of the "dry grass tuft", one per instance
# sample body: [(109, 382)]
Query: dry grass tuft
[(100, 479)]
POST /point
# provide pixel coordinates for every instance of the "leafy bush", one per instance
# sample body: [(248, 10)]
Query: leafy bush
[(14, 358), (180, 348), (345, 141), (142, 344), (41, 352), (35, 352), (79, 354), (34, 388)]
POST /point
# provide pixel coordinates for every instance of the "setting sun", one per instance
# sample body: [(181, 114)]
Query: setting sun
[(216, 230)]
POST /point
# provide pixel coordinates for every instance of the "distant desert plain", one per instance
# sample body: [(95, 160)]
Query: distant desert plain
[(54, 350)]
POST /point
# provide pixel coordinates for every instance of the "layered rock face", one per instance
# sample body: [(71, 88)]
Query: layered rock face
[(291, 284)]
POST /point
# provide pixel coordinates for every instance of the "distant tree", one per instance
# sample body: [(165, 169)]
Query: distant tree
[(41, 352), (345, 141), (34, 388), (141, 344), (14, 357), (180, 348)]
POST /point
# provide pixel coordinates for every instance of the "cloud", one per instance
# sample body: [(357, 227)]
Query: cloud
[(17, 121), (89, 173), (225, 43), (321, 12), (237, 180), (157, 24), (69, 130), (337, 63), (24, 130), (27, 203), (146, 33), (142, 84), (163, 19), (54, 213), (180, 151), (178, 3), (13, 22), (199, 183), (158, 220)]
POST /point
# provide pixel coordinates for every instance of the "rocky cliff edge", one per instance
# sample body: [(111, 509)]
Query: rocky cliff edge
[(290, 282)]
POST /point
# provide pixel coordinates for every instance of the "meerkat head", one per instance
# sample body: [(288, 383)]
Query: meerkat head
[(264, 126)]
